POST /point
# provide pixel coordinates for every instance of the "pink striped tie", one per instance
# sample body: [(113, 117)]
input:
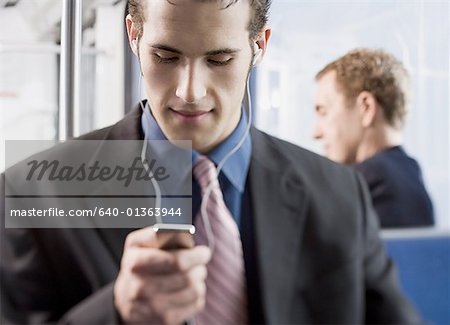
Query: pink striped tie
[(226, 298)]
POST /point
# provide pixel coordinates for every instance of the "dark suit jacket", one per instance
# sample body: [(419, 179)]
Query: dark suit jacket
[(397, 189), (319, 255)]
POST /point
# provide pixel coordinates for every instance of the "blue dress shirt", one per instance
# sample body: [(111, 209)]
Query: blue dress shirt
[(233, 175)]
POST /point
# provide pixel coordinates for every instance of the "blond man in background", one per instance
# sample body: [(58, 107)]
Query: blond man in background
[(361, 103)]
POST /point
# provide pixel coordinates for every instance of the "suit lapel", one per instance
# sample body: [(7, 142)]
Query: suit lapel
[(279, 204)]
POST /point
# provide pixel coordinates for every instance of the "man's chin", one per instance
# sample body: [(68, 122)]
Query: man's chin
[(197, 141)]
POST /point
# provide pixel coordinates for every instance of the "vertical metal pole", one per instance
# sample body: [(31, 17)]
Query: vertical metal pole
[(69, 77)]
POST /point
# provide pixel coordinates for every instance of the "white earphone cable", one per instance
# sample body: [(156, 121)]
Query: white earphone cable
[(154, 182), (205, 198)]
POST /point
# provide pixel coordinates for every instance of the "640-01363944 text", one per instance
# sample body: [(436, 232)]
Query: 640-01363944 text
[(57, 212)]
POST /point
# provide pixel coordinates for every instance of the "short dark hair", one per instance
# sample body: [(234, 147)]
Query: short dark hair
[(377, 72), (258, 20)]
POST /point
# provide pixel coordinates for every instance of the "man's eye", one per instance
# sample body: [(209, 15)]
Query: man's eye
[(220, 62), (163, 59)]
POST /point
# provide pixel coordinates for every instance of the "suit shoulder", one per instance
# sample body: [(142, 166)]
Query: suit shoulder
[(300, 158), (390, 163), (99, 134)]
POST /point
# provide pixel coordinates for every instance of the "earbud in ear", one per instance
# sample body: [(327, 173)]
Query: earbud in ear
[(135, 44), (256, 54)]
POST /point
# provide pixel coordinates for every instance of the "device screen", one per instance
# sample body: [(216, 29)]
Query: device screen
[(174, 236)]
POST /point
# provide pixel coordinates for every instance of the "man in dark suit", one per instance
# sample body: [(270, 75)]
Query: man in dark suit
[(361, 105), (311, 250)]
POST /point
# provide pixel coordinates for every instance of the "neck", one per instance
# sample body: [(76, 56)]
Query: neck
[(376, 140)]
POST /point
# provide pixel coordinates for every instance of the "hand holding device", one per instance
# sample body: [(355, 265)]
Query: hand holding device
[(158, 285)]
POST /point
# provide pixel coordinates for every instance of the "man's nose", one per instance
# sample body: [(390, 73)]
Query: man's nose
[(191, 86), (317, 131)]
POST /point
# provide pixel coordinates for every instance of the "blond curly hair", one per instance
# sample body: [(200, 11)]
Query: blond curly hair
[(377, 72)]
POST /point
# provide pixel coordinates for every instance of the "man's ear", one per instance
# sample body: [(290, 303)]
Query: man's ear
[(132, 35), (263, 39), (368, 107)]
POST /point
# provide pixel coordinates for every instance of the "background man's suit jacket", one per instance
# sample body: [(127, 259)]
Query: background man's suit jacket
[(397, 189), (319, 255)]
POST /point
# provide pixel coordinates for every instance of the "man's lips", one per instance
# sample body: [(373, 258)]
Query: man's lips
[(191, 113), (190, 116)]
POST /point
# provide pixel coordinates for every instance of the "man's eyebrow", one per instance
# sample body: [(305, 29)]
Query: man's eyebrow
[(166, 48), (210, 53), (222, 51)]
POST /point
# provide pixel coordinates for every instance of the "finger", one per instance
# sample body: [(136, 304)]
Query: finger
[(178, 281), (189, 295), (149, 261), (157, 261), (145, 237), (198, 273), (188, 258)]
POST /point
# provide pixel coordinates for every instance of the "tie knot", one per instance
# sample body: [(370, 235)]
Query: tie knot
[(205, 172)]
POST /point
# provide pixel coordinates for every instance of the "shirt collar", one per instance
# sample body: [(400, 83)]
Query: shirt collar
[(152, 131), (237, 165)]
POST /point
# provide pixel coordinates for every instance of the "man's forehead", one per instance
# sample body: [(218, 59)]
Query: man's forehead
[(327, 90), (328, 78), (197, 26), (216, 5), (223, 4), (211, 13), (328, 83)]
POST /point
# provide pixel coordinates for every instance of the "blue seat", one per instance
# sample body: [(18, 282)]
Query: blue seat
[(423, 263)]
